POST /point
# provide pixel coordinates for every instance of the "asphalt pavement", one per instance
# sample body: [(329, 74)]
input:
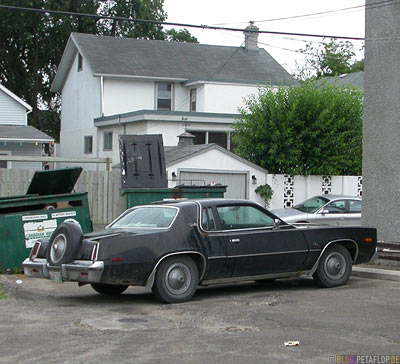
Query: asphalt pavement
[(46, 322)]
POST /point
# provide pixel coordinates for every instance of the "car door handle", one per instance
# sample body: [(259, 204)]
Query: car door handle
[(234, 240)]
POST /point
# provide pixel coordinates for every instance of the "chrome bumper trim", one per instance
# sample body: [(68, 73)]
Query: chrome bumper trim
[(78, 270)]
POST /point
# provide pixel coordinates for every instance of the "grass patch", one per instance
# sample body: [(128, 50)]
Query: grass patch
[(3, 295)]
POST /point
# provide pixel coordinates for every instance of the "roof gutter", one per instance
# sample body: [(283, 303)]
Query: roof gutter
[(137, 77), (26, 140)]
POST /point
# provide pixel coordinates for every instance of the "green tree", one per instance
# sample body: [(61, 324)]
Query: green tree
[(302, 130), (183, 35), (31, 44), (332, 58)]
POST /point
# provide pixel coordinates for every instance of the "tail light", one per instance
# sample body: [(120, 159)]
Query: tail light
[(35, 251), (95, 252)]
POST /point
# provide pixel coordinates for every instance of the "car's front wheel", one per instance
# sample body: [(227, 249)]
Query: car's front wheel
[(176, 280), (334, 267), (109, 289)]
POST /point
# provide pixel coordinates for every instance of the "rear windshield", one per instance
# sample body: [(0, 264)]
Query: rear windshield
[(146, 217), (312, 205)]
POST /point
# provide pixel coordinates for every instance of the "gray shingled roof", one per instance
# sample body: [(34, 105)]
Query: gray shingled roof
[(355, 79), (186, 61), (173, 154), (22, 132)]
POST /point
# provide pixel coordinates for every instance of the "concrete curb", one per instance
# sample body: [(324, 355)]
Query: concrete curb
[(375, 273)]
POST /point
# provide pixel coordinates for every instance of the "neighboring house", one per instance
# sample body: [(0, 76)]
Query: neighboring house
[(114, 86), (16, 137), (355, 79)]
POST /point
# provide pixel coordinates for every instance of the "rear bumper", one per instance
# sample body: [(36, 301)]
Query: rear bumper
[(79, 270)]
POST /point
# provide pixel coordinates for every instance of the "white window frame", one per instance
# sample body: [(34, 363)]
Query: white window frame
[(104, 141), (193, 91), (172, 95), (80, 63), (84, 144)]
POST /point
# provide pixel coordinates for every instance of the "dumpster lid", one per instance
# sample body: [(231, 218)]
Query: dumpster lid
[(54, 182)]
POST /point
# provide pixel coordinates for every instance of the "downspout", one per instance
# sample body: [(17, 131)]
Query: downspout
[(102, 114), (102, 95)]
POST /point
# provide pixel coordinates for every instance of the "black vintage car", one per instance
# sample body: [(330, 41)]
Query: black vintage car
[(174, 247)]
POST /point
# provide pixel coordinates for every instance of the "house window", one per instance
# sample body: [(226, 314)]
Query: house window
[(199, 137), (220, 138), (80, 62), (193, 98), (205, 137), (108, 140), (88, 144), (164, 96)]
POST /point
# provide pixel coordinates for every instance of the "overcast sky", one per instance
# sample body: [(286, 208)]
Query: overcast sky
[(237, 13)]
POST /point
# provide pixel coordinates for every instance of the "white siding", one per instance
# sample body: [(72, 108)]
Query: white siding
[(80, 105), (11, 111), (222, 98), (122, 96), (26, 149)]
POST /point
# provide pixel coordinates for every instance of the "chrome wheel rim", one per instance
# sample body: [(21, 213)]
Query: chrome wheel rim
[(58, 248), (335, 266), (178, 278)]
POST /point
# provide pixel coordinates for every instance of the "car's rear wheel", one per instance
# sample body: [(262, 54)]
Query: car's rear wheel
[(64, 244), (334, 267), (109, 289), (176, 280)]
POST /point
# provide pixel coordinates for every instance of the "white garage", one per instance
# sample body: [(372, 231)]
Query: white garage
[(205, 164)]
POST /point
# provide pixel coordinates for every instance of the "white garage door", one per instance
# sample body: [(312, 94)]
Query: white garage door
[(236, 182)]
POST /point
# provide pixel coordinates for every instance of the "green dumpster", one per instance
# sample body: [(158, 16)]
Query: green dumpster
[(143, 196), (48, 202)]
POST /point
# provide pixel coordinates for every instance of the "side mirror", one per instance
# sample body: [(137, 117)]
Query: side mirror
[(325, 212), (277, 223)]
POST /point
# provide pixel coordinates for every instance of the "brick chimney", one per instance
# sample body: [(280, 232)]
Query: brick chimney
[(251, 38), (185, 140)]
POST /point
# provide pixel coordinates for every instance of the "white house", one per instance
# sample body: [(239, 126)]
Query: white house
[(112, 86), (16, 137), (117, 86)]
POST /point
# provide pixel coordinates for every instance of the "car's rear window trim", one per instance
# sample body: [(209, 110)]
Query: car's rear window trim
[(147, 227)]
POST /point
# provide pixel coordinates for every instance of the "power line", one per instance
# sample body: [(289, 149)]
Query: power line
[(369, 6), (143, 21)]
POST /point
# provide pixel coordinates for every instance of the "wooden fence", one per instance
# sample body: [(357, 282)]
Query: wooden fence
[(105, 200)]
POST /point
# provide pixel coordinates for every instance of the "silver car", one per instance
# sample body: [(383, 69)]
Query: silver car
[(324, 209)]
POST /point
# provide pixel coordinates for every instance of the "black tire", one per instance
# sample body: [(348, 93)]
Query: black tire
[(176, 280), (334, 267), (64, 244), (109, 289)]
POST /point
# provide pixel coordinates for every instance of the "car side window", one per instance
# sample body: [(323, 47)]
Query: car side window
[(355, 206), (207, 219), (336, 207), (243, 217), (204, 219)]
